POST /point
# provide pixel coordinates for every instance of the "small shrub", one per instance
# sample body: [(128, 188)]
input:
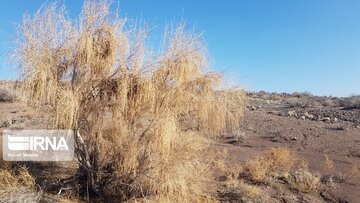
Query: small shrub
[(7, 95), (252, 192), (280, 163), (276, 96), (305, 181), (293, 102), (327, 102), (237, 189), (238, 136), (263, 95), (354, 171), (273, 162), (301, 94), (258, 169), (352, 102), (302, 164), (329, 165)]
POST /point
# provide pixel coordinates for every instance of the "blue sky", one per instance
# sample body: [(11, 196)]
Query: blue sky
[(278, 45)]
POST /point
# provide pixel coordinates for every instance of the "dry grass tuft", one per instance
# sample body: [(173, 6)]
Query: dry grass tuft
[(237, 189), (354, 171), (258, 169), (273, 162), (6, 95), (271, 167), (305, 181), (130, 109), (252, 192), (280, 163), (7, 92), (329, 165), (17, 186)]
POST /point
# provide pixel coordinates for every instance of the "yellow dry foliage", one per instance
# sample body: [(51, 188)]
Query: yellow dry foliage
[(275, 161), (142, 117), (307, 182), (17, 185), (329, 165), (280, 162)]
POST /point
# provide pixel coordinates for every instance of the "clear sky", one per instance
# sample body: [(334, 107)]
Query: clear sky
[(277, 45)]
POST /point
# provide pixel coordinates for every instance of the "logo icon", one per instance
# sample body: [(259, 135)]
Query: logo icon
[(38, 145), (35, 143), (18, 143)]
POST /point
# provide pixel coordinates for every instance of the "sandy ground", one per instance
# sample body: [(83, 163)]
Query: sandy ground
[(305, 124), (272, 123)]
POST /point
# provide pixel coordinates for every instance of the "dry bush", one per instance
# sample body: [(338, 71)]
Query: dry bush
[(234, 188), (353, 171), (253, 193), (237, 136), (328, 102), (7, 95), (280, 163), (258, 169), (274, 162), (305, 181), (263, 95), (329, 165), (301, 94), (349, 103), (272, 165), (293, 101), (129, 109), (276, 96), (17, 186)]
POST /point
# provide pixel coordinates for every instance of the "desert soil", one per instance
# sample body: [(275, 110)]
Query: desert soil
[(311, 126)]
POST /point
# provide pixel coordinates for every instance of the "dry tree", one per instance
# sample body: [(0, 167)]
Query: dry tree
[(141, 119)]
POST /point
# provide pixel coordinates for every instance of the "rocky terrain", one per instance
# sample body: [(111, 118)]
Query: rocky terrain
[(315, 128)]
